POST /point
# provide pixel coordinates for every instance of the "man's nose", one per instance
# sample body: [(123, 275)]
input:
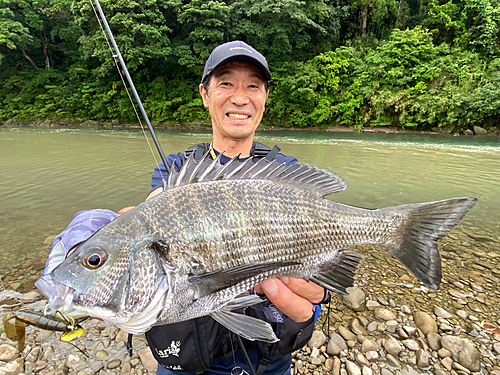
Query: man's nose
[(240, 96)]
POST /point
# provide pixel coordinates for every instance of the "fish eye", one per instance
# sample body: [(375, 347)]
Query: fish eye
[(95, 259)]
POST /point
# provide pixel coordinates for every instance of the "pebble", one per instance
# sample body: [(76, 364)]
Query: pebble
[(384, 314)]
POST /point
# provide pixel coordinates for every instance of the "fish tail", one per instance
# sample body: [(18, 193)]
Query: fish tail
[(421, 225), (338, 274)]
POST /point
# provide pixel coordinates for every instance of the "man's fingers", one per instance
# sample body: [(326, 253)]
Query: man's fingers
[(289, 303), (306, 289)]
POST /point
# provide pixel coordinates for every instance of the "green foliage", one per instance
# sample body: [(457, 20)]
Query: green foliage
[(305, 92), (403, 63)]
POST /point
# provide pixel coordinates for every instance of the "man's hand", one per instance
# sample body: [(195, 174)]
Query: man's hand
[(293, 297)]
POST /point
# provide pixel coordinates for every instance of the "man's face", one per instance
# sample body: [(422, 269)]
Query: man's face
[(236, 100)]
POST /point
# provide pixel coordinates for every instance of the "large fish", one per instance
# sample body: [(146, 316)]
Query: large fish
[(217, 230)]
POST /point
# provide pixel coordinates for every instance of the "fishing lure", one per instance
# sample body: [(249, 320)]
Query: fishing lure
[(70, 327)]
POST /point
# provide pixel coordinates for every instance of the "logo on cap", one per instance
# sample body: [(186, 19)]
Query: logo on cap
[(246, 49)]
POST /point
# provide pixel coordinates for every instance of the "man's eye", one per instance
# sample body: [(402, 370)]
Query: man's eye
[(226, 84)]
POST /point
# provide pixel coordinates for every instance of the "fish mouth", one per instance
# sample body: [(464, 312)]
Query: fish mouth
[(59, 296)]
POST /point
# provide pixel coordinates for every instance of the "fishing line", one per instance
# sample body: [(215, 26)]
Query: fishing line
[(118, 55)]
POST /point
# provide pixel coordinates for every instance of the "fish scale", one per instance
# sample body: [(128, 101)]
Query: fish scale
[(218, 230)]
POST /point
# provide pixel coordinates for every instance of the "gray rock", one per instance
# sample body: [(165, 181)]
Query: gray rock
[(479, 130), (336, 366), (447, 363), (463, 351), (298, 365), (315, 353), (318, 338), (346, 333), (361, 359), (393, 361), (371, 305), (147, 359), (434, 341), (367, 370), (392, 346), (352, 368), (357, 328), (369, 345), (101, 355), (410, 330), (442, 313), (371, 355), (14, 367), (372, 327), (8, 353), (384, 314), (496, 347), (423, 358), (355, 300), (113, 364), (411, 344), (425, 322), (336, 344), (329, 364), (443, 353)]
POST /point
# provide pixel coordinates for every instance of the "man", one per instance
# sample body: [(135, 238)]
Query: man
[(234, 88)]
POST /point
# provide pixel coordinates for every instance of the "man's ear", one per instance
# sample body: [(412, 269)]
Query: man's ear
[(204, 95)]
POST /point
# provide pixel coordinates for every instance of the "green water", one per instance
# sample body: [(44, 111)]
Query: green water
[(47, 175)]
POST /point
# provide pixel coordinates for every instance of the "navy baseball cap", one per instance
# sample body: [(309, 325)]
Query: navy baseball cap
[(236, 51)]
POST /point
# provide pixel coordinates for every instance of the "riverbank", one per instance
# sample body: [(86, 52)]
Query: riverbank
[(205, 126), (389, 324)]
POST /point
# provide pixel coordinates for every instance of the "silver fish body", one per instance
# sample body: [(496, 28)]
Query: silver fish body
[(196, 248)]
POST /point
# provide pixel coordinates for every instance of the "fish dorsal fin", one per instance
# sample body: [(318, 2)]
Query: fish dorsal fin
[(304, 176)]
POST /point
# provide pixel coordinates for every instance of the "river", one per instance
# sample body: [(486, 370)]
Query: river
[(47, 175)]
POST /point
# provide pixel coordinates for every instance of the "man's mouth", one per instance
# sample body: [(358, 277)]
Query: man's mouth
[(237, 116)]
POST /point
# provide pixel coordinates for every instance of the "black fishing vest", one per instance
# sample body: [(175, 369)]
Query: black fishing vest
[(259, 150), (190, 346)]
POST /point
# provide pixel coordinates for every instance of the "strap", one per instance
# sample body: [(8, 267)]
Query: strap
[(262, 365), (272, 154), (129, 344), (198, 150)]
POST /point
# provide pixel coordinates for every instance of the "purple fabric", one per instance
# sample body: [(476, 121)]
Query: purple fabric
[(83, 225)]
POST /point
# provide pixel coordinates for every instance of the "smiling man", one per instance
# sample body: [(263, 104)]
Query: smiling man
[(234, 88)]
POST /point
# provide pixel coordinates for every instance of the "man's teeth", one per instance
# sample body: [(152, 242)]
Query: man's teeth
[(237, 116)]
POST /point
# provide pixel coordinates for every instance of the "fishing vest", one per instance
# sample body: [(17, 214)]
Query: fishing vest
[(259, 150), (191, 346)]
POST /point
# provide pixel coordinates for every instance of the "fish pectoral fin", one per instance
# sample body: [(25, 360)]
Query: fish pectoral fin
[(338, 274), (212, 282), (247, 327)]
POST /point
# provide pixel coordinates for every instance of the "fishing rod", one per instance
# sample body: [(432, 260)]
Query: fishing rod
[(131, 83)]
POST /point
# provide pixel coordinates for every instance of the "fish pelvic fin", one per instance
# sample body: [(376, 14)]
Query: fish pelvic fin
[(414, 242), (246, 326), (302, 176), (338, 274)]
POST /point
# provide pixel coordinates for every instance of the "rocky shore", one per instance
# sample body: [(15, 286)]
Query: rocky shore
[(206, 126), (389, 324)]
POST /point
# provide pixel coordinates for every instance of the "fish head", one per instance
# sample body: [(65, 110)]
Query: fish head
[(114, 277)]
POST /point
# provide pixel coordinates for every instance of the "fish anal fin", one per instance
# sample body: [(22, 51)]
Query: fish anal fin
[(338, 274)]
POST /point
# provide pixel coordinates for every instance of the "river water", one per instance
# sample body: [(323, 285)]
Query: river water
[(47, 175)]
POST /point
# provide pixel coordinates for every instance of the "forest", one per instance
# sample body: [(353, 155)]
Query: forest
[(411, 64)]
